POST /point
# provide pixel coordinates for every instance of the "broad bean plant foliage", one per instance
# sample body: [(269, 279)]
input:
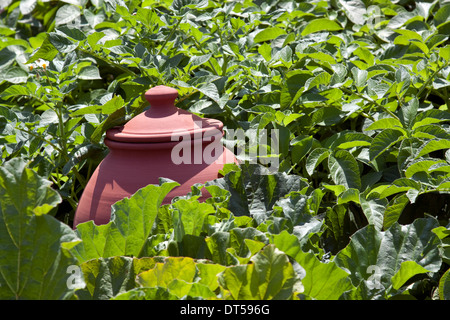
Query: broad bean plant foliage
[(357, 91)]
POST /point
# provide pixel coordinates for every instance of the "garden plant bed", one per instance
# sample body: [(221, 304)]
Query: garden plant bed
[(354, 94)]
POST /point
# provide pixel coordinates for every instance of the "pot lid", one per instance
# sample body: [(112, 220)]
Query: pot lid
[(163, 121)]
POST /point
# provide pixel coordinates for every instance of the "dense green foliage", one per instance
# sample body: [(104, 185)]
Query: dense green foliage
[(358, 92)]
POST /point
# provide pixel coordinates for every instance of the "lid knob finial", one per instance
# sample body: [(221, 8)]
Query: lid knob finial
[(161, 96)]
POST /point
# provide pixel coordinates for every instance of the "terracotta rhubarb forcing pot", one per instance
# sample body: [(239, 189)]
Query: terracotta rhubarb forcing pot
[(164, 141)]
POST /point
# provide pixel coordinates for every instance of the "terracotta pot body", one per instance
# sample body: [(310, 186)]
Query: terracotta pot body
[(164, 141)]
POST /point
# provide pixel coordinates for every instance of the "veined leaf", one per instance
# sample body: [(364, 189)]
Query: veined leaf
[(374, 210), (132, 220), (383, 141), (394, 210), (23, 192), (355, 10), (189, 217), (236, 246), (173, 268), (14, 75), (67, 14), (270, 276), (109, 107), (61, 42), (35, 257), (433, 145), (322, 78), (254, 190), (408, 269), (321, 24), (35, 264), (297, 208), (269, 34), (129, 229), (108, 277), (421, 166), (46, 51), (360, 77), (408, 113), (430, 116), (431, 131), (365, 55), (347, 140), (349, 195), (321, 281), (199, 60), (344, 169), (385, 251), (385, 123), (444, 286), (89, 73), (315, 158), (93, 241), (400, 185)]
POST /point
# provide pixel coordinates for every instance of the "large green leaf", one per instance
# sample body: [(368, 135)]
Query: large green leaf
[(270, 277), (108, 277), (385, 123), (340, 225), (394, 210), (93, 241), (67, 14), (178, 276), (35, 263), (269, 34), (384, 252), (130, 227), (444, 286), (132, 220), (433, 145), (321, 281), (23, 192), (189, 217), (321, 24), (315, 158), (408, 269), (190, 223), (347, 140), (355, 10), (374, 210), (173, 268), (235, 246), (431, 116), (47, 51), (295, 208), (408, 113), (344, 169), (421, 166), (35, 258), (383, 141), (254, 191)]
